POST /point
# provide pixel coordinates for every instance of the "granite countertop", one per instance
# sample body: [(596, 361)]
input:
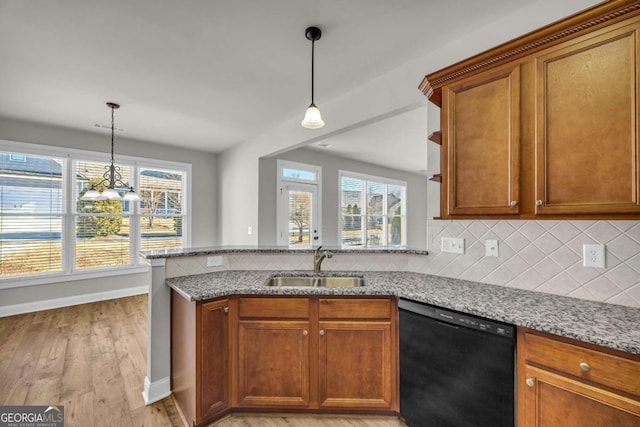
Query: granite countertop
[(219, 250), (608, 325)]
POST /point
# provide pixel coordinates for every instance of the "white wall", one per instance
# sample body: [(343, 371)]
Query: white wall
[(331, 165), (204, 208), (393, 91)]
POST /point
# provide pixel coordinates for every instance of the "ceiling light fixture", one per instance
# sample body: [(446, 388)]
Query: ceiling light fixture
[(312, 117), (111, 178)]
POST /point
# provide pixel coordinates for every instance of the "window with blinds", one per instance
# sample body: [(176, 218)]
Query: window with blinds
[(31, 214), (372, 211), (46, 229), (162, 216)]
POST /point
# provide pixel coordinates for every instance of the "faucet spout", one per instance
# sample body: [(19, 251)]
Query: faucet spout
[(318, 257)]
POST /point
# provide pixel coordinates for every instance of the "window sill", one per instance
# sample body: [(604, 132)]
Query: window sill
[(19, 282)]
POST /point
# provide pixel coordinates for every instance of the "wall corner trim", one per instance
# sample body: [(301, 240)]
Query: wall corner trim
[(157, 390)]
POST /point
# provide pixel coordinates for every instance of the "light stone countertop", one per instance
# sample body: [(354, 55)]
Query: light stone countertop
[(220, 250), (608, 325)]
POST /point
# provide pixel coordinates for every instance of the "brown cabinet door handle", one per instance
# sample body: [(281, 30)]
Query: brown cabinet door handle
[(530, 382)]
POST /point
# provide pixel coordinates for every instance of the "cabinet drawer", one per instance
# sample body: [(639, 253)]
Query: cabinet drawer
[(361, 308), (602, 368), (279, 308)]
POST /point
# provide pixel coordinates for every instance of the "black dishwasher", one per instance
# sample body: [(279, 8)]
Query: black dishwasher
[(456, 370)]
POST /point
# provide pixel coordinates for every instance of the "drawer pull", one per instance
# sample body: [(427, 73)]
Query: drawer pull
[(321, 332), (585, 366), (539, 203), (226, 309), (305, 332), (530, 382), (513, 204)]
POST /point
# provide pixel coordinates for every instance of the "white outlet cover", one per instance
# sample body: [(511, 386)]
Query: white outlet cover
[(491, 247), (214, 261), (593, 256), (453, 245)]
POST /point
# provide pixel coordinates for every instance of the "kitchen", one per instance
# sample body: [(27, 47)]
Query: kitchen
[(546, 255)]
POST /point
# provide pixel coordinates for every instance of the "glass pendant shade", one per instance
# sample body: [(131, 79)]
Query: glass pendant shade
[(312, 118), (111, 194), (92, 194), (131, 196)]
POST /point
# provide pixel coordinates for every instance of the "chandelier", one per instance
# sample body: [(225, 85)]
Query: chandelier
[(111, 179)]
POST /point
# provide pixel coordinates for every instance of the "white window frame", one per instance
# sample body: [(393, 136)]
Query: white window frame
[(380, 180), (281, 202), (69, 155)]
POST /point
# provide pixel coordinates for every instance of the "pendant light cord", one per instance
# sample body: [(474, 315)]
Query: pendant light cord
[(313, 43)]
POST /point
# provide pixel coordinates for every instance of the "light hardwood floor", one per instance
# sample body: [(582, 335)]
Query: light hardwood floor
[(91, 358)]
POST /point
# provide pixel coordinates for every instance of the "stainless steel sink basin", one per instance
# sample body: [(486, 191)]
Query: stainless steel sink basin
[(326, 282)]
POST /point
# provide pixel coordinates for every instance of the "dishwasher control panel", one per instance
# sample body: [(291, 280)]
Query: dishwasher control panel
[(459, 319)]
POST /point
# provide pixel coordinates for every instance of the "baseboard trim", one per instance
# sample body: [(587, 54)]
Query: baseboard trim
[(157, 390), (30, 307)]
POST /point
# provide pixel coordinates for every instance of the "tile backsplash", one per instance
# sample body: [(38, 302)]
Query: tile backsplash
[(544, 256)]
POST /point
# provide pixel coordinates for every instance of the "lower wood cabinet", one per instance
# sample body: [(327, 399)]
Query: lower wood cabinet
[(273, 363), (566, 383), (356, 364), (322, 354), (200, 351)]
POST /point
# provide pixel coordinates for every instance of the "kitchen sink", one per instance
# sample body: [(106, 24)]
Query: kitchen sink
[(325, 282)]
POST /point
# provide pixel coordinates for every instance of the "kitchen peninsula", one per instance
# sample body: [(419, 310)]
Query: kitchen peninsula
[(387, 274)]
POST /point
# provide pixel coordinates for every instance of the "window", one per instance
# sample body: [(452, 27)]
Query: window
[(45, 229), (372, 211), (298, 221)]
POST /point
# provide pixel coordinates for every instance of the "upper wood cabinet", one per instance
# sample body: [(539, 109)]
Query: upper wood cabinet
[(545, 125), (482, 150), (587, 125)]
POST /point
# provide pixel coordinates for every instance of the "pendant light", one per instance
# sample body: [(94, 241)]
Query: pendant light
[(111, 178), (312, 117)]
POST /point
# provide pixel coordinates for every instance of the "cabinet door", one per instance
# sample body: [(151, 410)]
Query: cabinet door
[(356, 367), (552, 400), (587, 126), (213, 359), (481, 144), (273, 363)]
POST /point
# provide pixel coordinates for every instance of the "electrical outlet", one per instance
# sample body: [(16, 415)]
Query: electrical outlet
[(593, 256), (249, 230), (214, 261), (491, 247), (452, 245)]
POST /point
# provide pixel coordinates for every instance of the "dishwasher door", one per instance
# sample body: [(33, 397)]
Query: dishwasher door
[(456, 370)]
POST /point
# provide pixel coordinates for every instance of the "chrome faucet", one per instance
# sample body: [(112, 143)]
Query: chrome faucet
[(318, 258)]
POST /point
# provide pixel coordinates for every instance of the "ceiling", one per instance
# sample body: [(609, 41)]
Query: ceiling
[(397, 142), (208, 74)]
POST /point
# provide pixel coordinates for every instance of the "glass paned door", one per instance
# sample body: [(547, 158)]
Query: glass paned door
[(298, 223)]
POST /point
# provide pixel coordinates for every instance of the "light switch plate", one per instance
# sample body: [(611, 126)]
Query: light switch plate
[(452, 245), (593, 256), (491, 247), (214, 261)]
